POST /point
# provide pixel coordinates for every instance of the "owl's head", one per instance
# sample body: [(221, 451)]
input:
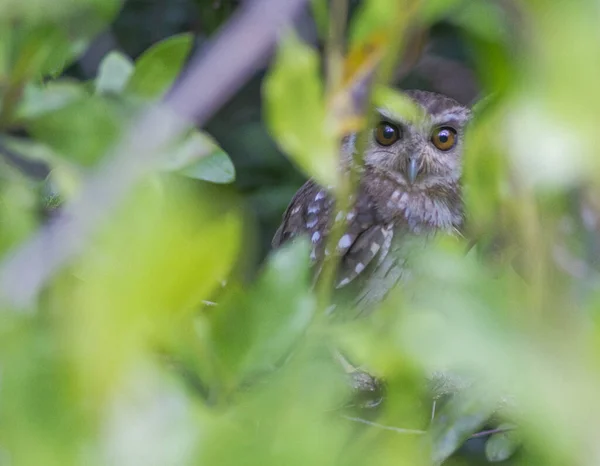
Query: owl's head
[(421, 150)]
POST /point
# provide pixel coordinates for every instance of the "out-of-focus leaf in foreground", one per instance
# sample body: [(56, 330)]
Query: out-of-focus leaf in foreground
[(295, 111), (163, 253), (39, 100), (256, 330)]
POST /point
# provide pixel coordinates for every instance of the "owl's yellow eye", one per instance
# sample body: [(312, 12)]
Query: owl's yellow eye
[(444, 138), (386, 134)]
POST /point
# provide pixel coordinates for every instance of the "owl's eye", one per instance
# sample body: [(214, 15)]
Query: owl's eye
[(444, 138), (387, 134)]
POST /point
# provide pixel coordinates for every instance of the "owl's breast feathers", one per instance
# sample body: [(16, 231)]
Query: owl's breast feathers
[(382, 211)]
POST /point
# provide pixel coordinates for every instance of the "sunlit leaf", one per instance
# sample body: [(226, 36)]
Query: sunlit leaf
[(158, 67), (295, 111)]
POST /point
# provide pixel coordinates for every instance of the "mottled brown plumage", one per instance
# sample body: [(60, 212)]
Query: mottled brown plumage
[(409, 188)]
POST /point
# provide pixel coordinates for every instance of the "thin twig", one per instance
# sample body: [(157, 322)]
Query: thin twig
[(211, 79), (398, 430), (485, 433)]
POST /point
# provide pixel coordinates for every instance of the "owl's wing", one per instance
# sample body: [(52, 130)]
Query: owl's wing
[(366, 237)]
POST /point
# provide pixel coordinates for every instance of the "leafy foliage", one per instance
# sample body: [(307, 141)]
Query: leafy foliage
[(157, 346)]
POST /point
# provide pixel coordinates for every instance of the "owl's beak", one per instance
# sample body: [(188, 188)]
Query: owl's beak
[(413, 169)]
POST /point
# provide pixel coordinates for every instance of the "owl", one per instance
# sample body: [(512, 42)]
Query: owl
[(409, 190)]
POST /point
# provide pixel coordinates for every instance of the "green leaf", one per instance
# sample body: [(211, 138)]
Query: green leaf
[(158, 67), (295, 111), (40, 100), (257, 329), (216, 168), (164, 250), (40, 51), (113, 74), (86, 15), (434, 10), (503, 445), (81, 131), (460, 418), (398, 103), (374, 17), (198, 156)]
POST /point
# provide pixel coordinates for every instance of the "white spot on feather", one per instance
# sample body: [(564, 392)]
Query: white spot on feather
[(359, 267), (320, 195), (312, 222), (313, 208), (315, 237), (345, 281), (345, 241)]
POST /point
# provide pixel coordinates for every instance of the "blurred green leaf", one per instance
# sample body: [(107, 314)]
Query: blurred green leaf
[(164, 251), (158, 67), (460, 418), (65, 176), (375, 18), (39, 51), (198, 156), (18, 207), (320, 11), (81, 131), (113, 74), (435, 10), (295, 111), (397, 103), (502, 446), (485, 18), (257, 329), (39, 100), (39, 11)]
